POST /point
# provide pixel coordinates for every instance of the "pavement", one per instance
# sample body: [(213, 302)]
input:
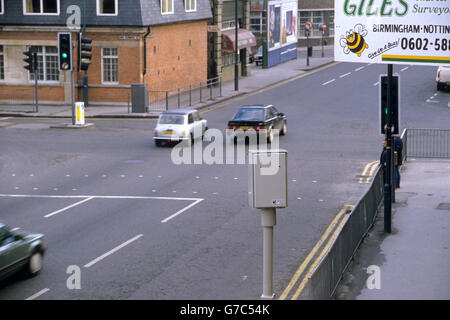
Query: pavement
[(410, 263)]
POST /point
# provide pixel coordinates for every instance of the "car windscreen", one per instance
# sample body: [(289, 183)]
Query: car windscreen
[(249, 115), (171, 119)]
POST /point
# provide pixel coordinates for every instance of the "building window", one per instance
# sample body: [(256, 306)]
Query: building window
[(47, 63), (166, 6), (110, 65), (228, 58), (317, 18), (2, 64), (258, 21), (190, 5), (107, 7), (48, 7)]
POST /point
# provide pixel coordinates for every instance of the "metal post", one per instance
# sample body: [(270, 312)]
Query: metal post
[(72, 96), (236, 48), (178, 97), (388, 179), (323, 33), (167, 100), (201, 92), (85, 77), (36, 75), (307, 49), (210, 90), (190, 95), (268, 221)]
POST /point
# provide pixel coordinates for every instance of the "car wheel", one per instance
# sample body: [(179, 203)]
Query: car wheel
[(284, 129), (34, 265), (158, 143), (270, 136), (439, 86)]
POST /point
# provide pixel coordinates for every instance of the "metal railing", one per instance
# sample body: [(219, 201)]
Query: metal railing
[(185, 96), (419, 143), (326, 276), (427, 143), (17, 99)]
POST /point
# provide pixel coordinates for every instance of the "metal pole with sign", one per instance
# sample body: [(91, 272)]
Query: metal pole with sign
[(308, 27)]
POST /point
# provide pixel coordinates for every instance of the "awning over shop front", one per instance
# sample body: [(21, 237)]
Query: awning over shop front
[(245, 39)]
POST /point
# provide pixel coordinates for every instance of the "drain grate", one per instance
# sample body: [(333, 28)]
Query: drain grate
[(443, 206)]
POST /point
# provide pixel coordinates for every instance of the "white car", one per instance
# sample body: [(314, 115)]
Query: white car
[(442, 78), (178, 125)]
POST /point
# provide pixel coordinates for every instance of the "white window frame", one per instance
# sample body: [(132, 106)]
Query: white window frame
[(2, 9), (103, 65), (2, 53), (44, 56), (25, 13), (116, 9), (167, 5), (192, 5)]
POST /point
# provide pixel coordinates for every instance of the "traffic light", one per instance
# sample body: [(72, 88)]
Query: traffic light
[(65, 51), (84, 52), (394, 116), (31, 60)]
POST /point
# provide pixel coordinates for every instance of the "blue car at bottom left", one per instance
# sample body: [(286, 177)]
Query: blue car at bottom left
[(20, 251)]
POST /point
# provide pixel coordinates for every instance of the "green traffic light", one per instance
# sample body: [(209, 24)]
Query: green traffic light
[(64, 55), (385, 111)]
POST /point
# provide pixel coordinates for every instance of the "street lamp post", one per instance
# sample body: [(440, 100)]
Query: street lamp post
[(236, 48)]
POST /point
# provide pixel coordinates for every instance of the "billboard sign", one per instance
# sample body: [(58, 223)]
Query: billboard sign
[(392, 31), (282, 23)]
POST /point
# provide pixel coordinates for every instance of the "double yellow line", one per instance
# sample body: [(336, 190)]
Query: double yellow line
[(298, 283), (368, 172)]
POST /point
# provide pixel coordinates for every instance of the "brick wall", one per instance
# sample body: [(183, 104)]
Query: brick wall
[(176, 55)]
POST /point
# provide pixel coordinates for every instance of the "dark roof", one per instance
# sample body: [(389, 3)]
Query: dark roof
[(131, 13)]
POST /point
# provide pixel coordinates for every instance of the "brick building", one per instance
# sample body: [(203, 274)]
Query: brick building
[(162, 43)]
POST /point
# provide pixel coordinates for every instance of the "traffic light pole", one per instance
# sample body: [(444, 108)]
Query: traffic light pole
[(388, 179), (36, 75)]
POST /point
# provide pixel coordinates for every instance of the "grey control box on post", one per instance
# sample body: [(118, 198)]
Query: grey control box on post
[(268, 178)]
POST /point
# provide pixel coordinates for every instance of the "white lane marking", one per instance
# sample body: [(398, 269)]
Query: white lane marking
[(15, 229), (344, 75), (376, 83), (328, 82), (404, 69), (433, 101), (38, 294), (68, 207), (181, 211), (93, 196), (103, 256), (360, 68), (5, 118)]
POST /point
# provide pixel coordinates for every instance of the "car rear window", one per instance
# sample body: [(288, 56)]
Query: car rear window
[(249, 115), (171, 119)]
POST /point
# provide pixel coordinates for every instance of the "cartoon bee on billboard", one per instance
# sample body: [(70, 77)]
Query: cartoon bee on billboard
[(354, 40)]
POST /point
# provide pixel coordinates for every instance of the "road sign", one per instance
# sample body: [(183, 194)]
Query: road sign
[(308, 25), (392, 32)]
